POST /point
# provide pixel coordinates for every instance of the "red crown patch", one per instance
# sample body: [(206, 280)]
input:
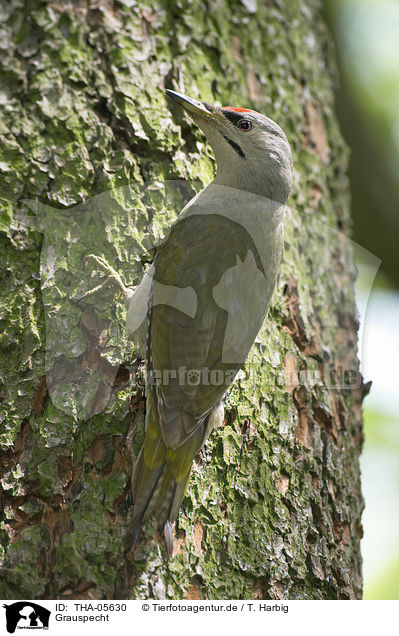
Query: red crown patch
[(238, 110)]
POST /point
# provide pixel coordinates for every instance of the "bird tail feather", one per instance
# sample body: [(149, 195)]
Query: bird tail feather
[(160, 478)]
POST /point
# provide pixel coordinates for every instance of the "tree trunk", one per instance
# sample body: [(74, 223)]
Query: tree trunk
[(274, 503)]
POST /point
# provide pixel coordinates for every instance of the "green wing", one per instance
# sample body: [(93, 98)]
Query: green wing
[(180, 345)]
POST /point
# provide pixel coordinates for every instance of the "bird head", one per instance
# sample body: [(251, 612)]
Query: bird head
[(252, 152)]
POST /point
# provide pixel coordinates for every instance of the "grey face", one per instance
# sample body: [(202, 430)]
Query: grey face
[(251, 150)]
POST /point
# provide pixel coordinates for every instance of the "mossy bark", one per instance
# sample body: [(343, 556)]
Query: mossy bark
[(274, 503)]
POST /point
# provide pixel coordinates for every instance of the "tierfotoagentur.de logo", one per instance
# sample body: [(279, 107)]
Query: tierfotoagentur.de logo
[(26, 615)]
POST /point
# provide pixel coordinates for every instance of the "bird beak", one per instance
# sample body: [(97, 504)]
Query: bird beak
[(193, 106)]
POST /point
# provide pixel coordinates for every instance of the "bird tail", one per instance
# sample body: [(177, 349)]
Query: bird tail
[(160, 478)]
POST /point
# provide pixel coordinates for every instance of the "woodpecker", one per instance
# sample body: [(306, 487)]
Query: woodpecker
[(223, 252)]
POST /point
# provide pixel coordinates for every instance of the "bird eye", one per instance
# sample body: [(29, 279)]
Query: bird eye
[(244, 124)]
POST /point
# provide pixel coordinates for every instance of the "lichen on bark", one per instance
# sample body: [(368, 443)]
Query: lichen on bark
[(274, 504)]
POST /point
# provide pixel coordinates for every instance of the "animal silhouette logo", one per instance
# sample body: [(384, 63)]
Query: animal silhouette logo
[(26, 615)]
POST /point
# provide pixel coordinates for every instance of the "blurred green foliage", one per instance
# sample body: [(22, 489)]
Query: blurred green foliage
[(367, 48), (381, 429), (380, 469)]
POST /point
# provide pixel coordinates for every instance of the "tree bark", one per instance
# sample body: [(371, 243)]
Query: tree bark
[(273, 508)]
